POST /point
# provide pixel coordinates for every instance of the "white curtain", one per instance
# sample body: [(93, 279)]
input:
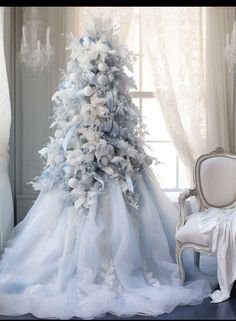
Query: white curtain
[(221, 116), (6, 205), (175, 45)]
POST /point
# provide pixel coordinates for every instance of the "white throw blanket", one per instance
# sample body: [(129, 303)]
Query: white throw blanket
[(219, 225)]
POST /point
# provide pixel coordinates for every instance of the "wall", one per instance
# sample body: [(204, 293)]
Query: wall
[(31, 107)]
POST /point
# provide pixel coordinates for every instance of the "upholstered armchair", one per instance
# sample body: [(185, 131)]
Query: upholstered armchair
[(215, 186)]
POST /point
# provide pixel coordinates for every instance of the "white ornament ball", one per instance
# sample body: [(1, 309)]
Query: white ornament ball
[(102, 66), (73, 182), (74, 77), (148, 160), (102, 80), (75, 118), (87, 179), (59, 133), (88, 91), (83, 138)]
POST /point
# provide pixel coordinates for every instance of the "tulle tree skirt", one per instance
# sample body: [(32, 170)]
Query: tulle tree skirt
[(60, 263)]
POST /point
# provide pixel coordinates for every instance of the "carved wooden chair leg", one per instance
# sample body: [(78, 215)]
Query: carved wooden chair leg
[(179, 261), (196, 258)]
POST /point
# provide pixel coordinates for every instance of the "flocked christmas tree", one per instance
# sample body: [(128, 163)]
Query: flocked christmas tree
[(99, 129)]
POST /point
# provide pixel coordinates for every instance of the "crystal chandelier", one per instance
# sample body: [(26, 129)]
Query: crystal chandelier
[(33, 52), (230, 48)]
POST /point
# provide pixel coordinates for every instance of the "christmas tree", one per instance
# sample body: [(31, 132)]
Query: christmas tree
[(99, 130)]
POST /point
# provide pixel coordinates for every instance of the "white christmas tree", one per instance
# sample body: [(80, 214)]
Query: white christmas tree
[(99, 130)]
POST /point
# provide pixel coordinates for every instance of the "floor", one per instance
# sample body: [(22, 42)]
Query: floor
[(205, 311)]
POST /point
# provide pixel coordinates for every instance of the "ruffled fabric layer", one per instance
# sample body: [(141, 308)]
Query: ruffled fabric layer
[(60, 263)]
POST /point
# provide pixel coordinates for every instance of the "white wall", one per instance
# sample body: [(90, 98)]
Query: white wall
[(31, 104)]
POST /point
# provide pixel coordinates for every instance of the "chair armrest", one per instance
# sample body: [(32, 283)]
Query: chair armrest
[(183, 196)]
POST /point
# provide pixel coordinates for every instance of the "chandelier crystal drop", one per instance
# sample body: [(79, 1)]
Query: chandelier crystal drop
[(230, 48), (35, 54)]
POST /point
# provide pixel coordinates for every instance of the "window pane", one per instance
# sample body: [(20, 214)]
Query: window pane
[(147, 78), (154, 120), (165, 171)]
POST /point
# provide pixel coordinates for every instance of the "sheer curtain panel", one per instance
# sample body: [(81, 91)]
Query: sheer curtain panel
[(175, 45), (6, 205), (220, 94)]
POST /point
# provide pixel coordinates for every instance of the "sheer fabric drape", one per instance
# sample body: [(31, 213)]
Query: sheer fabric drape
[(6, 206), (175, 39), (220, 94)]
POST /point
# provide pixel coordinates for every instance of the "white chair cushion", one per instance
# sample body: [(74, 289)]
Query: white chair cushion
[(190, 232), (218, 180)]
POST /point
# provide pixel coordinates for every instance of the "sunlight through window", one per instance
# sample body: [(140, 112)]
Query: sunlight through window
[(170, 170)]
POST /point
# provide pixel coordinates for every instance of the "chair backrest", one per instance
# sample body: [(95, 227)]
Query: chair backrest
[(215, 179)]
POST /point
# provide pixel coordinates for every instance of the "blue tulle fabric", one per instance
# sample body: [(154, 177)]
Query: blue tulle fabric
[(59, 263)]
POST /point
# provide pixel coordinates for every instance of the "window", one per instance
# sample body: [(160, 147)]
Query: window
[(170, 171)]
